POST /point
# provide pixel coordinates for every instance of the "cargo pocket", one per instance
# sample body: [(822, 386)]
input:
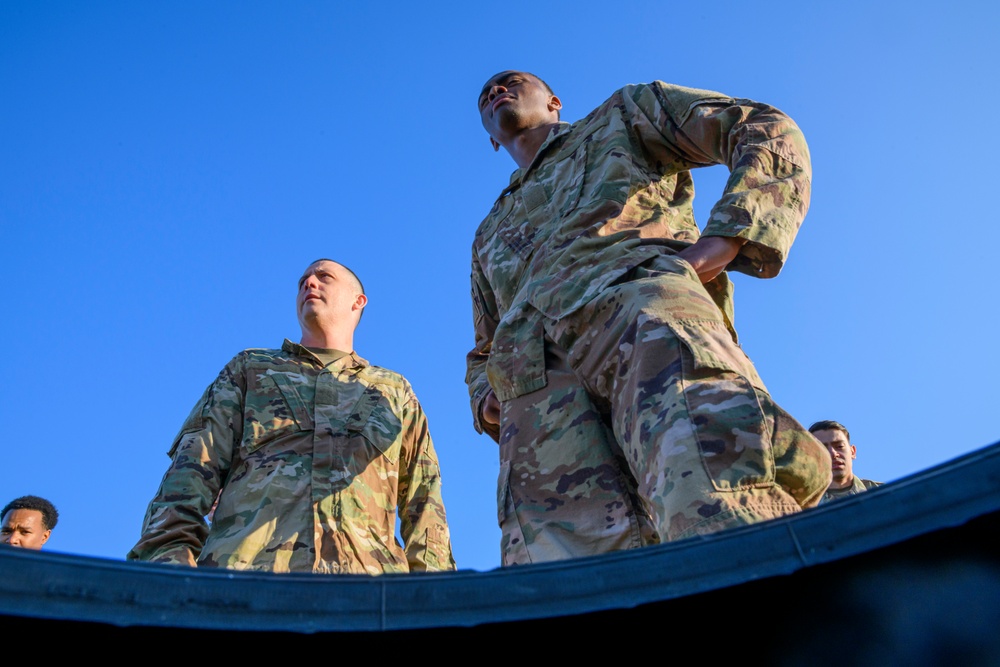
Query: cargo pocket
[(513, 550), (720, 387), (516, 365)]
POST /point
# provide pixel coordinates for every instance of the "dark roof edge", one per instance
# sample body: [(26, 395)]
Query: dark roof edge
[(87, 589)]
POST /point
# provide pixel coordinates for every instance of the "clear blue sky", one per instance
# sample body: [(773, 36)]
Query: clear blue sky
[(168, 169)]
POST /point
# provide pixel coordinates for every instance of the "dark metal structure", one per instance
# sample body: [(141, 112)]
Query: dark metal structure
[(908, 573)]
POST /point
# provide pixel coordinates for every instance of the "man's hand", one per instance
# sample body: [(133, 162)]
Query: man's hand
[(491, 410), (709, 256)]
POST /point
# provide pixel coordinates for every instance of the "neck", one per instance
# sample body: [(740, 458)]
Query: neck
[(842, 484), (524, 147), (328, 340)]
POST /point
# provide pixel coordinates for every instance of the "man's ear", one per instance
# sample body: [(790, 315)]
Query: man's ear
[(555, 104), (854, 452), (45, 536), (361, 301), (494, 144)]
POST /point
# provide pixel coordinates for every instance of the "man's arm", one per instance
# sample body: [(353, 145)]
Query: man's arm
[(485, 406), (174, 528), (767, 194), (422, 521), (710, 255)]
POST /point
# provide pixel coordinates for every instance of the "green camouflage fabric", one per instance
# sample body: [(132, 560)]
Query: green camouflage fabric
[(309, 466), (563, 488), (604, 196), (857, 486)]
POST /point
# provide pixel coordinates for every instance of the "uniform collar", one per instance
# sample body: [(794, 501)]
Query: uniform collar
[(352, 360)]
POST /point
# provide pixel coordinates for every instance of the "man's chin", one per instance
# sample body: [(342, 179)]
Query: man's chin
[(307, 316)]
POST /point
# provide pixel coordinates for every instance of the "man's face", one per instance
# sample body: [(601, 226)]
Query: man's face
[(327, 294), (25, 529), (512, 101), (842, 453)]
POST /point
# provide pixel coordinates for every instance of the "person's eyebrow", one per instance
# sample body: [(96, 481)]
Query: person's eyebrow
[(499, 81)]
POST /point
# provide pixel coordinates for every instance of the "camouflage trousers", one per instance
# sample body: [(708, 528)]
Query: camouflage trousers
[(653, 426)]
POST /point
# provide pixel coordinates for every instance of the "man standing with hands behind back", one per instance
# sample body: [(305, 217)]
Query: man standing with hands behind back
[(309, 451), (606, 364)]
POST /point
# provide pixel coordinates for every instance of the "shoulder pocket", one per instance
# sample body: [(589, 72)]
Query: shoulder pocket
[(195, 420), (680, 101)]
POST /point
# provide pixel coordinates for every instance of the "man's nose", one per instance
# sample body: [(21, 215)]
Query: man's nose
[(496, 90)]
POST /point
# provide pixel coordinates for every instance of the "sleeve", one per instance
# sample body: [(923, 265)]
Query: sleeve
[(767, 194), (485, 319), (423, 524), (175, 528)]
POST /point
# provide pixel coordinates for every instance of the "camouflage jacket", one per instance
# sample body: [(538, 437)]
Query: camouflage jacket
[(309, 465), (857, 486), (613, 190)]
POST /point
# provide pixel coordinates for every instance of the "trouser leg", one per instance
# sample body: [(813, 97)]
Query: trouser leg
[(564, 490), (707, 445)]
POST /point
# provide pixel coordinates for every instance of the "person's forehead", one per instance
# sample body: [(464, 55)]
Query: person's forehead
[(22, 517), (322, 265), (831, 435)]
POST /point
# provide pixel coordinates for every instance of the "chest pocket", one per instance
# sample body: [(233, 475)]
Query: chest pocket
[(502, 249), (516, 235), (561, 186), (276, 404), (374, 420)]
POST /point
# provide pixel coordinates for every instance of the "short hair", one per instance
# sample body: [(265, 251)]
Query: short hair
[(548, 88), (50, 515), (830, 425)]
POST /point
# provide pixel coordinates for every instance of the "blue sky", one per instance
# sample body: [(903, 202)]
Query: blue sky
[(168, 169)]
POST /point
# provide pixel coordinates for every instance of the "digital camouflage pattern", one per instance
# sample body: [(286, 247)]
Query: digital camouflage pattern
[(662, 368), (309, 464), (857, 486)]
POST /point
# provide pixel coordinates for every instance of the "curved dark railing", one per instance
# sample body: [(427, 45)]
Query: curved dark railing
[(961, 492)]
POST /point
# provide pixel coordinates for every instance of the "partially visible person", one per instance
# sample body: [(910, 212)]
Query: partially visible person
[(837, 440), (304, 458), (28, 522)]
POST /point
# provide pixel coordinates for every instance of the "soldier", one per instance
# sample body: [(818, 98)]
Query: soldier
[(837, 440), (307, 453), (28, 522), (606, 364)]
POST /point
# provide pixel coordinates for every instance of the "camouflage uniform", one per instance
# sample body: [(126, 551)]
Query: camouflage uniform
[(857, 486), (629, 413), (309, 465)]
